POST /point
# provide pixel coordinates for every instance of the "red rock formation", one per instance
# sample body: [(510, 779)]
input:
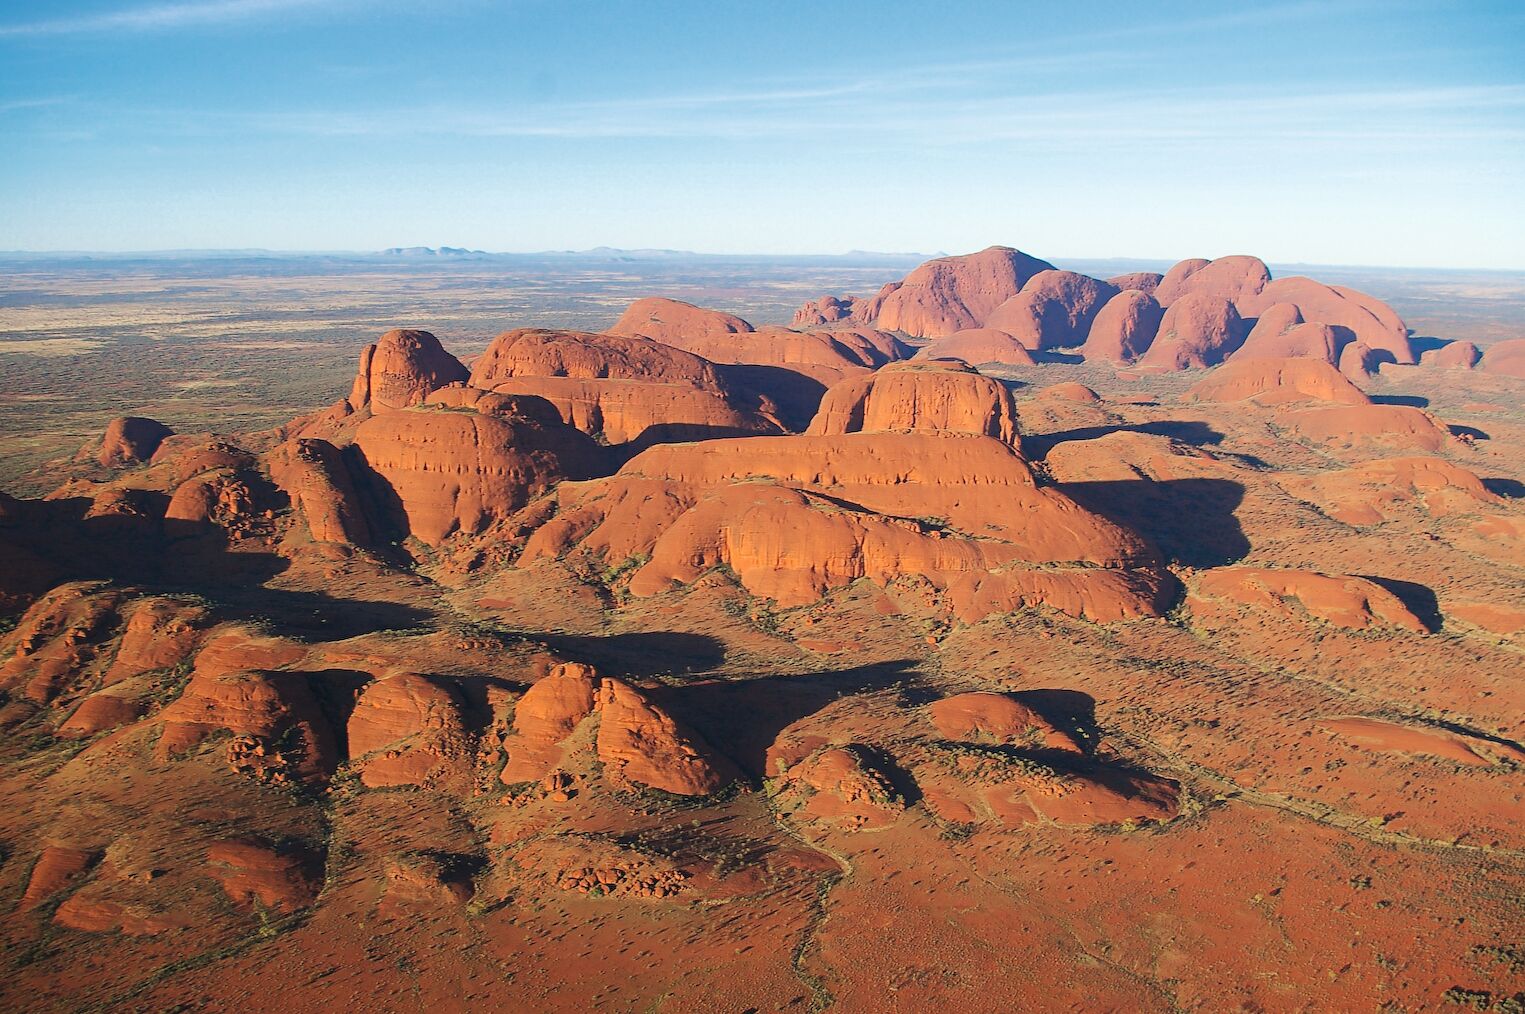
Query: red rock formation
[(1359, 362), (621, 389), (952, 293), (692, 507), (1377, 491), (1124, 328), (1352, 602), (1140, 281), (544, 717), (314, 475), (408, 729), (844, 786), (100, 712), (1238, 279), (1506, 358), (57, 867), (401, 369), (1054, 309), (1364, 426), (1364, 318), (674, 322), (254, 873), (1276, 382), (828, 310), (1452, 356), (1071, 391), (1281, 333), (58, 638), (979, 345), (936, 395), (274, 710), (1196, 331), (460, 471), (130, 440), (1175, 279), (996, 717), (640, 744)]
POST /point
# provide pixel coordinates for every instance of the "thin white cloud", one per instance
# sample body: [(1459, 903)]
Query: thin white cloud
[(164, 16)]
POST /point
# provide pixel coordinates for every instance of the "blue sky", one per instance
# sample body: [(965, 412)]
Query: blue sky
[(1330, 132)]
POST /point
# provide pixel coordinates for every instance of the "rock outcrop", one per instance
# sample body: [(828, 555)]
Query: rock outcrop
[(408, 729), (1354, 315), (401, 369), (131, 440), (1054, 309), (1237, 279), (1197, 330), (279, 731), (1455, 355), (1124, 328), (641, 744), (1277, 382), (316, 478), (936, 395), (621, 389), (1352, 602), (978, 346), (952, 293), (447, 472), (1506, 358), (544, 717), (674, 322)]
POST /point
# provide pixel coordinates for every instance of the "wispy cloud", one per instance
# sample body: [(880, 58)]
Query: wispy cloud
[(164, 16)]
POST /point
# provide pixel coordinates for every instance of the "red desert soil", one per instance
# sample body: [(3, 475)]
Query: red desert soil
[(704, 666)]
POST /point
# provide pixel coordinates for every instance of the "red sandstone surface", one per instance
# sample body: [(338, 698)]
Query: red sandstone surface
[(1141, 644)]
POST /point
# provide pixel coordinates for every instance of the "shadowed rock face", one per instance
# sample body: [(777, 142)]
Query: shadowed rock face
[(1197, 331), (443, 473), (621, 388), (130, 440), (1055, 309), (402, 369), (1124, 328)]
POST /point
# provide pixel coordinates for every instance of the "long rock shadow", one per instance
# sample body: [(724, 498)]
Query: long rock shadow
[(192, 558), (1191, 521), (742, 718), (1419, 599), (638, 655), (1188, 431)]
